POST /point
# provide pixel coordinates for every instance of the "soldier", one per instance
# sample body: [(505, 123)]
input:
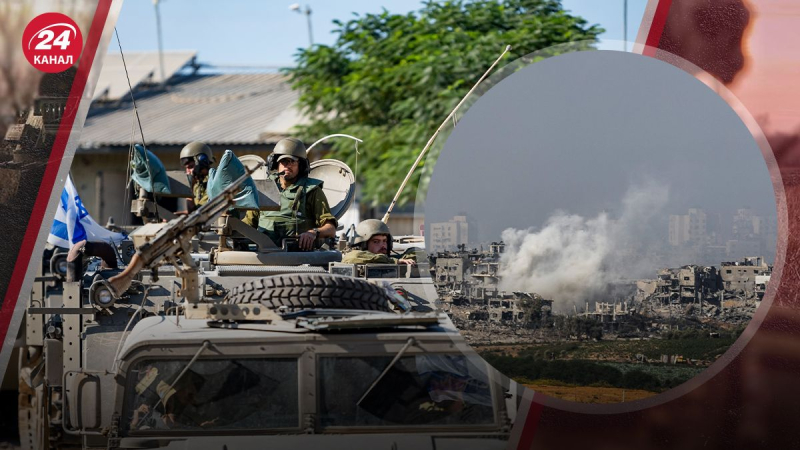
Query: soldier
[(196, 158), (373, 244), (304, 212)]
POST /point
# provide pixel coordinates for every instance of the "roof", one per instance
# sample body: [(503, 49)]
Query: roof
[(112, 84), (237, 109), (166, 331)]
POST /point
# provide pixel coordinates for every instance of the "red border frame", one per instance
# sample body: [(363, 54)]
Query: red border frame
[(53, 165)]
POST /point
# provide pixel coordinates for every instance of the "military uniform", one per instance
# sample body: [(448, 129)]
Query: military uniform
[(200, 192), (365, 257), (303, 207)]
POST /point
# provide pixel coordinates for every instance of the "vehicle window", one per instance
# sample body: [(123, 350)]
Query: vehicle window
[(417, 390), (382, 271), (220, 394), (339, 270)]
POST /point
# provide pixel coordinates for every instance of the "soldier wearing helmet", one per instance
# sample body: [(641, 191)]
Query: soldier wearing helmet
[(304, 211), (197, 158), (372, 245)]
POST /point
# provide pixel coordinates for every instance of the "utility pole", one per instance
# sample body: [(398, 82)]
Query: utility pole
[(160, 43), (296, 7), (625, 24)]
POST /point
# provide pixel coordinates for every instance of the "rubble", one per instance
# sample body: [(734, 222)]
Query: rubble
[(688, 297)]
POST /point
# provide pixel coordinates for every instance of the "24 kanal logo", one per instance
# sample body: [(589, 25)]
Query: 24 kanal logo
[(52, 42)]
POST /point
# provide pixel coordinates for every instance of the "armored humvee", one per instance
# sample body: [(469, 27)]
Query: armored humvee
[(180, 348)]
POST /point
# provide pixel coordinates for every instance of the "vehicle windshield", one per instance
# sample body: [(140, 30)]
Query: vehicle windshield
[(418, 390), (233, 394)]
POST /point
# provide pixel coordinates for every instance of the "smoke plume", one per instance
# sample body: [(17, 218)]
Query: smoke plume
[(572, 259)]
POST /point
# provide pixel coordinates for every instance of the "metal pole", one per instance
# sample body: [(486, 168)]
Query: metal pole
[(625, 24), (385, 218), (310, 34), (160, 44)]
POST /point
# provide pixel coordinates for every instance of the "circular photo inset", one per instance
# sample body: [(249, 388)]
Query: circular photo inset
[(602, 226)]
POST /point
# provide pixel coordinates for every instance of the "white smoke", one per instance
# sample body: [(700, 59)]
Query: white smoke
[(572, 259)]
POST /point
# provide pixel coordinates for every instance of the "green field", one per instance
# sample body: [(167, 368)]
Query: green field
[(704, 348), (609, 363)]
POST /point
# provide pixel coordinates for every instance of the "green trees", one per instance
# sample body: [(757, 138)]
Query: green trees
[(390, 79)]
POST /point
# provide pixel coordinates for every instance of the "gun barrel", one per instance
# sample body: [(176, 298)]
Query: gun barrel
[(174, 235)]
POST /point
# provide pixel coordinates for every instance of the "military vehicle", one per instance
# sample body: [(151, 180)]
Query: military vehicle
[(267, 348)]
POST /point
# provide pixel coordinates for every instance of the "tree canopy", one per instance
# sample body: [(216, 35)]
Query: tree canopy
[(391, 79)]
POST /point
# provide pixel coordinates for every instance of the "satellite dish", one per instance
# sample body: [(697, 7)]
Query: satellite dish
[(251, 161), (340, 184)]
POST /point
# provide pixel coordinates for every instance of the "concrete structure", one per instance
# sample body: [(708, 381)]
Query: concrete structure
[(497, 248), (451, 269), (608, 312), (746, 224), (740, 276), (449, 235), (688, 228), (244, 112), (686, 284), (761, 285)]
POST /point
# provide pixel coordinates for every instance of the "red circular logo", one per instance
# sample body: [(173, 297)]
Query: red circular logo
[(52, 42)]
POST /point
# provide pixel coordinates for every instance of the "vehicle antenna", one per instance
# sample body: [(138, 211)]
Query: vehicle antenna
[(136, 113), (115, 366), (355, 175), (438, 130), (308, 150)]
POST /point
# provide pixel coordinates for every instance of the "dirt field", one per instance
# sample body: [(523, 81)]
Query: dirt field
[(586, 394)]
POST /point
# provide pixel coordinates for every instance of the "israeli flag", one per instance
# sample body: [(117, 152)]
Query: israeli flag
[(74, 224)]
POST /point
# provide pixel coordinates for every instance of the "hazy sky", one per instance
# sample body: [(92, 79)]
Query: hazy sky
[(266, 32), (579, 131)]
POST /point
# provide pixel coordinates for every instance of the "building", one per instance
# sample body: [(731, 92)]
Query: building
[(685, 284), (689, 228), (450, 270), (752, 235), (496, 249), (244, 112), (747, 225), (740, 276), (449, 235)]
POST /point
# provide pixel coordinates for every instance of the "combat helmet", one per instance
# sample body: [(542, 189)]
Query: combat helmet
[(369, 228), (291, 147), (194, 149)]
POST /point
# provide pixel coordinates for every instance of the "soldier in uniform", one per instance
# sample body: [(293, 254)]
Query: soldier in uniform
[(304, 212), (373, 244), (196, 158)]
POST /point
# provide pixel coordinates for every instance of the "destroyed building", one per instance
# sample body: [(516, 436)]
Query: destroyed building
[(747, 277), (468, 283), (686, 284), (740, 276), (610, 314), (469, 287)]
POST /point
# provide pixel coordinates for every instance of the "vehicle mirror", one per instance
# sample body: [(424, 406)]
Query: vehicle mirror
[(84, 411)]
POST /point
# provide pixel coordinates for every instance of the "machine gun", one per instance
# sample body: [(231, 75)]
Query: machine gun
[(172, 243)]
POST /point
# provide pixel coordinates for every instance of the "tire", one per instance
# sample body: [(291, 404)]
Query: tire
[(304, 291)]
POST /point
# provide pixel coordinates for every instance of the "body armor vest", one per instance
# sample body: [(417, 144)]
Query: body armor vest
[(293, 218)]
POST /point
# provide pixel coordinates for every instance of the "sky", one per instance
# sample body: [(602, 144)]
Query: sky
[(268, 33), (590, 133)]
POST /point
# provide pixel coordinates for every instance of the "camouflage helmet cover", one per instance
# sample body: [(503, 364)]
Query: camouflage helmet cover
[(192, 149), (369, 228)]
